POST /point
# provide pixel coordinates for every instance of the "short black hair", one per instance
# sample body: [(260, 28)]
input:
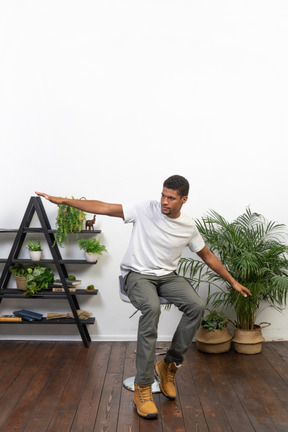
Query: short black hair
[(179, 183)]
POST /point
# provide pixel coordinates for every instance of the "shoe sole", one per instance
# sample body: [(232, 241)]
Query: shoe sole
[(159, 380), (151, 416)]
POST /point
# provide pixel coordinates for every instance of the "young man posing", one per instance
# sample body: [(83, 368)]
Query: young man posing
[(160, 234)]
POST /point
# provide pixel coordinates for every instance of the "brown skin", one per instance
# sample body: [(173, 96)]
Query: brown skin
[(171, 204), (89, 206)]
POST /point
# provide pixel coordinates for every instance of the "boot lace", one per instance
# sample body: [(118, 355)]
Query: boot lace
[(145, 393), (170, 374)]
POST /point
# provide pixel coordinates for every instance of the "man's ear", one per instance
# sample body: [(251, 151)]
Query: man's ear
[(184, 199)]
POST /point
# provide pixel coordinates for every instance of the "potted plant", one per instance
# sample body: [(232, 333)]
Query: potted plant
[(213, 336), (20, 273), (69, 220), (92, 248), (253, 251), (90, 288), (34, 278), (35, 250)]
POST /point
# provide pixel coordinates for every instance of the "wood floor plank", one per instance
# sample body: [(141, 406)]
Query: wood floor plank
[(276, 361), (128, 419), (47, 402), (108, 411), (64, 387), (73, 391), (273, 407), (231, 404), (214, 413), (90, 399), (273, 379), (191, 407), (247, 393), (13, 362), (19, 400), (109, 405)]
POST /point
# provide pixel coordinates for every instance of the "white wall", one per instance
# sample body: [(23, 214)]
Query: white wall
[(108, 98)]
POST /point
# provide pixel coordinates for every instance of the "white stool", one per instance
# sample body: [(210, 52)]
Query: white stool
[(128, 383)]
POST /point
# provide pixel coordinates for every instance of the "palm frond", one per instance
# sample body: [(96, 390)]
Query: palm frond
[(255, 254)]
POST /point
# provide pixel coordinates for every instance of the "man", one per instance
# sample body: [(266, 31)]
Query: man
[(160, 234)]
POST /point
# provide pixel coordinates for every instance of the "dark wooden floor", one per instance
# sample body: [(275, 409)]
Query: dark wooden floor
[(63, 387)]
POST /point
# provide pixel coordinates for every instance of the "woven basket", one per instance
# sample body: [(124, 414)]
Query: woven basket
[(21, 283), (213, 341), (248, 341)]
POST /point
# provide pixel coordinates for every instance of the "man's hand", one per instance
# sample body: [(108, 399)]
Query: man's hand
[(241, 289), (53, 199)]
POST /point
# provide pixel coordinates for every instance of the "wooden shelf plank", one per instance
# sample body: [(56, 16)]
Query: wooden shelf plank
[(14, 293), (61, 321)]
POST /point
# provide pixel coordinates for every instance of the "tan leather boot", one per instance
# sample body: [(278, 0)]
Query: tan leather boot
[(144, 402), (166, 374)]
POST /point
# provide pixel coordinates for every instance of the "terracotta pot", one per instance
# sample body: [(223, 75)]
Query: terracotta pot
[(21, 283), (213, 341)]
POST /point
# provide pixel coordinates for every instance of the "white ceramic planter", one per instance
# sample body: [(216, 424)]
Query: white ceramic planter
[(91, 257), (35, 255)]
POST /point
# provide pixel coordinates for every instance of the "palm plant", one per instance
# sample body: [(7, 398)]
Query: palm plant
[(253, 251)]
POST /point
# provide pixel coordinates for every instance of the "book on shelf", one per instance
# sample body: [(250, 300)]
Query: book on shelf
[(8, 318), (61, 289), (68, 281), (28, 315)]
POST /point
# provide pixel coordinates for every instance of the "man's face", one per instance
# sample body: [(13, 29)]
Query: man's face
[(171, 203)]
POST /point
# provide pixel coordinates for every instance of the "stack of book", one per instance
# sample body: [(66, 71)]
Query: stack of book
[(72, 285), (27, 315)]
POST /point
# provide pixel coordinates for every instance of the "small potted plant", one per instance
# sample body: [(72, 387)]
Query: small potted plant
[(213, 335), (90, 288), (20, 272), (32, 278), (92, 248), (69, 220), (35, 250)]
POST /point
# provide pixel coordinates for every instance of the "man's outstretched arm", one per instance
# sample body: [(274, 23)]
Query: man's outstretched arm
[(213, 262), (89, 206)]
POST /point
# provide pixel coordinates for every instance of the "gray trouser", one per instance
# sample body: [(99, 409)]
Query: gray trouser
[(144, 292)]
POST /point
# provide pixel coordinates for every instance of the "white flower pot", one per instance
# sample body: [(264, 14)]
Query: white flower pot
[(91, 257), (35, 255)]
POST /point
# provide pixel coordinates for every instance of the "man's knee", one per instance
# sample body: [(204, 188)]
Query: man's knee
[(200, 307), (153, 309)]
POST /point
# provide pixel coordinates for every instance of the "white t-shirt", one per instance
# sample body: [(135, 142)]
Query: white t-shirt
[(157, 241)]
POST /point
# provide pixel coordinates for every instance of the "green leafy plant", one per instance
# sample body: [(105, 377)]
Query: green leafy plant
[(253, 251), (69, 220), (19, 270), (37, 277), (34, 246), (92, 246), (214, 321)]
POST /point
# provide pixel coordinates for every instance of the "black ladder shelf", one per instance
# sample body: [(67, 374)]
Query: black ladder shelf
[(35, 205)]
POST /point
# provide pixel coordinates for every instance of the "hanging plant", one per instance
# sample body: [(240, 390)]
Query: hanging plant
[(69, 220)]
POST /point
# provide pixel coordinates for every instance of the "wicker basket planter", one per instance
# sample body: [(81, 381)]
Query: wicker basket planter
[(213, 341), (21, 283), (248, 341)]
